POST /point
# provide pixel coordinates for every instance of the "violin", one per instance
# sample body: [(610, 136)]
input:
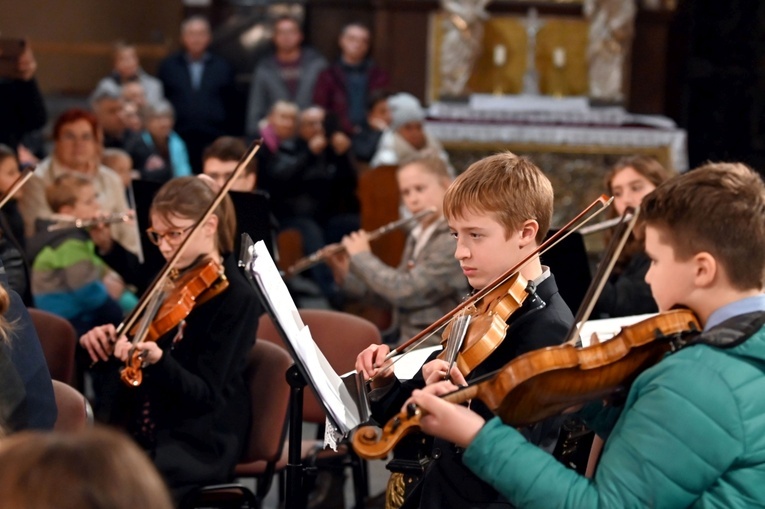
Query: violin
[(488, 324), (499, 298), (195, 286), (185, 296), (544, 383)]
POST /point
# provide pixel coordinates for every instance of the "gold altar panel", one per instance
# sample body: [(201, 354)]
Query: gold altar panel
[(509, 31)]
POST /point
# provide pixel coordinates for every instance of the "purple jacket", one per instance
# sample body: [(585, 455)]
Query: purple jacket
[(330, 91)]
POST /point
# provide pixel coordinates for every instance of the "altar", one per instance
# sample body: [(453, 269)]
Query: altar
[(573, 142)]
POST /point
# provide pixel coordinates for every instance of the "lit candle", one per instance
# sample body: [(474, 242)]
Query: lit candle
[(500, 55), (559, 57)]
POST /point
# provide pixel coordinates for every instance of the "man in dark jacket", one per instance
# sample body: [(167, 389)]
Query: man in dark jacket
[(200, 85)]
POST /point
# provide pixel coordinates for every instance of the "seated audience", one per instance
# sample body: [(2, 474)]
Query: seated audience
[(364, 143), (407, 134), (76, 150), (169, 157), (127, 69), (108, 106), (67, 274)]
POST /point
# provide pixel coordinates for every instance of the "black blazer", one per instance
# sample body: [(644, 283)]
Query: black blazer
[(208, 109), (543, 320)]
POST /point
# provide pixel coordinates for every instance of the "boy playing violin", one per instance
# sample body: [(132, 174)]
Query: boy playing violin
[(191, 411), (690, 431), (499, 210)]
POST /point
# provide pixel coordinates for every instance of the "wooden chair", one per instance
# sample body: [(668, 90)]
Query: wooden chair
[(266, 367), (379, 198), (59, 341), (74, 412), (340, 336)]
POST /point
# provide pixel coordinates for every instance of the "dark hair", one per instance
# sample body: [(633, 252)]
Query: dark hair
[(718, 208), (229, 148), (376, 97)]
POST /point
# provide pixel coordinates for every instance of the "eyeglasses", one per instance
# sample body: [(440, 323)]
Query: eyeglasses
[(172, 237)]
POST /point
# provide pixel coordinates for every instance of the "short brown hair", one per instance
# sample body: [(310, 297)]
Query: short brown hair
[(189, 197), (718, 208), (229, 148), (511, 188), (65, 189), (95, 468)]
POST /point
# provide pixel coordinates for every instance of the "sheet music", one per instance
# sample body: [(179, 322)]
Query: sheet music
[(607, 328), (339, 403)]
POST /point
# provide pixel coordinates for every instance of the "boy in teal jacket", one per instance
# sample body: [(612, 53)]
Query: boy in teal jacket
[(690, 433)]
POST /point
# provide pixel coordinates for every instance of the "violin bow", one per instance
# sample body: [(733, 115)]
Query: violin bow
[(26, 174), (577, 222), (615, 247), (156, 285)]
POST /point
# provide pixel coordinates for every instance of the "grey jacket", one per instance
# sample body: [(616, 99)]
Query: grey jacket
[(267, 86), (421, 289)]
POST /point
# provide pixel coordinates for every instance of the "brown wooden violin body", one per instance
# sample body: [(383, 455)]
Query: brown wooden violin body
[(194, 286), (488, 323), (545, 382)]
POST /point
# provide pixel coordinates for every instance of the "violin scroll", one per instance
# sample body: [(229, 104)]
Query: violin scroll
[(370, 444)]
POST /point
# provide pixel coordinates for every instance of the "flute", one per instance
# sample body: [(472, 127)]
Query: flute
[(327, 251), (116, 217)]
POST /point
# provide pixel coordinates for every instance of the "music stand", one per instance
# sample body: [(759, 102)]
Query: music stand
[(344, 400), (570, 265)]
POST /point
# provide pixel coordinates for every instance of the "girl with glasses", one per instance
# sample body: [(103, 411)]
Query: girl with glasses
[(190, 412)]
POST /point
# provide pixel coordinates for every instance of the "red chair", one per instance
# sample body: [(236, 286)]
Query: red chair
[(74, 412), (59, 342)]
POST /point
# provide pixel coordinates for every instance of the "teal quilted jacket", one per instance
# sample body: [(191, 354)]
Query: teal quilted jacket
[(691, 434)]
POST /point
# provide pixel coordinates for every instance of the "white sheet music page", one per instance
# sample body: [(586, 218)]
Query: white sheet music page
[(607, 328), (338, 402)]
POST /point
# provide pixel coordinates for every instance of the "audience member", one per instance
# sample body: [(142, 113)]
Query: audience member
[(169, 156), (200, 86), (67, 274), (407, 134), (364, 143), (91, 469), (77, 149), (345, 87), (121, 163), (288, 73), (22, 108), (127, 69), (108, 106)]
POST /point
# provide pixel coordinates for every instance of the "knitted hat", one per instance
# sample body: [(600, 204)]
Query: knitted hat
[(404, 108)]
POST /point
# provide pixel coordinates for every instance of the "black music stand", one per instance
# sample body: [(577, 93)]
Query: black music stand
[(298, 376), (570, 265)]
